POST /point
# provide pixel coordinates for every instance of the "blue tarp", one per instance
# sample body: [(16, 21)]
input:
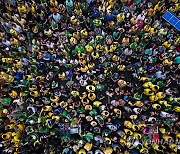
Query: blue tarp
[(172, 19)]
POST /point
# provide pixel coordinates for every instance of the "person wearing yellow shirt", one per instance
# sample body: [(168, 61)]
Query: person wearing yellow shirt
[(54, 3), (120, 17), (172, 8), (175, 8), (111, 3), (115, 58), (111, 24), (121, 67), (152, 30), (158, 6), (177, 41), (134, 20), (90, 88), (76, 35), (150, 12), (160, 95), (75, 93), (92, 96), (166, 62), (22, 9), (91, 65), (73, 20), (84, 69), (21, 21), (95, 55), (41, 13), (33, 10), (14, 41), (78, 11), (148, 92), (13, 94), (89, 48), (82, 62), (34, 93), (13, 32), (147, 28), (175, 1), (125, 41), (62, 75), (8, 7), (167, 44)]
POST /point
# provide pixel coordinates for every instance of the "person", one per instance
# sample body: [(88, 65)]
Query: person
[(57, 17), (94, 76)]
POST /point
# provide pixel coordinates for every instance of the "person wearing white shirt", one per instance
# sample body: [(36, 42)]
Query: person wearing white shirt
[(6, 42), (128, 52), (63, 61), (141, 17), (83, 83), (164, 114), (89, 1), (74, 62), (17, 28)]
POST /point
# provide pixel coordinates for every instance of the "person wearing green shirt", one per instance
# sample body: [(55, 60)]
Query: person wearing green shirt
[(6, 101), (177, 60), (161, 84), (54, 26), (100, 87), (84, 7)]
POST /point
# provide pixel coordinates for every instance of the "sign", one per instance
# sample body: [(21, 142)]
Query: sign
[(172, 19)]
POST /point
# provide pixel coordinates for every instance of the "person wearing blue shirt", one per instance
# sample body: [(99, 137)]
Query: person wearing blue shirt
[(69, 3), (95, 14), (56, 17), (109, 17)]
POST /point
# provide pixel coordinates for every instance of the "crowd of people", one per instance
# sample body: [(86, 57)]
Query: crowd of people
[(89, 76)]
